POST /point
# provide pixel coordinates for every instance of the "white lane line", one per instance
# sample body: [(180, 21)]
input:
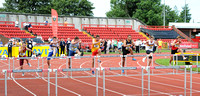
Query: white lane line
[(92, 84), (133, 85), (58, 85)]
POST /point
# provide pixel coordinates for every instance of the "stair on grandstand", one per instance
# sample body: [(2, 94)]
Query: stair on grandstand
[(10, 31), (109, 32), (163, 33), (63, 32)]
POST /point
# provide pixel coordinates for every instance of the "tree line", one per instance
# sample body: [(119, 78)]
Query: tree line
[(149, 11)]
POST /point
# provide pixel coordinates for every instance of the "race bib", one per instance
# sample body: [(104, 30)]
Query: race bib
[(96, 46), (30, 46), (150, 47), (176, 45)]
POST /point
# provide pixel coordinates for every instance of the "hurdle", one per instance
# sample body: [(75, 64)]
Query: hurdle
[(26, 71), (75, 69), (148, 74)]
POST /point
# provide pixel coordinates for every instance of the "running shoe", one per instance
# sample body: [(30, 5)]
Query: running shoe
[(93, 72), (133, 59), (99, 61), (184, 58), (29, 64), (23, 74), (143, 59), (122, 71)]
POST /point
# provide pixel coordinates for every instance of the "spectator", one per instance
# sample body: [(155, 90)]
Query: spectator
[(138, 44), (46, 22), (159, 45), (30, 46), (115, 45), (62, 46), (143, 44), (105, 45), (10, 45), (17, 23), (58, 52), (65, 23), (50, 39), (68, 42), (120, 46), (112, 44), (108, 47), (18, 43), (1, 43)]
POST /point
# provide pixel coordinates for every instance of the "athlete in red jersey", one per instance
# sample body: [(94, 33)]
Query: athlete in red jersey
[(22, 53), (175, 48)]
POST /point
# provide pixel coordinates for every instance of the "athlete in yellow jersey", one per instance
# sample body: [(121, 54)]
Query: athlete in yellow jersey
[(96, 44), (159, 45)]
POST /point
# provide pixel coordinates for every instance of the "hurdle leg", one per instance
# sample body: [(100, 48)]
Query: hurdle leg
[(48, 83), (152, 63), (71, 66), (56, 83), (5, 74), (99, 66), (14, 67), (42, 66), (121, 63), (38, 64), (142, 80), (190, 80), (104, 82), (173, 64), (185, 81), (67, 66), (96, 82), (148, 81), (197, 63), (176, 64), (9, 66), (125, 65)]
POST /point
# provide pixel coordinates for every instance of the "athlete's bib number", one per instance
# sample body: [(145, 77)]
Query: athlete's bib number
[(96, 46), (176, 45), (21, 54), (150, 47)]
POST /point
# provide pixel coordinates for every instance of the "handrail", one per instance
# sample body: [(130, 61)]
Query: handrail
[(47, 24), (7, 22), (182, 34), (103, 25)]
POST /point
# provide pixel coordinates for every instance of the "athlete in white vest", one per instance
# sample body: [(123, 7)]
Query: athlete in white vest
[(149, 50)]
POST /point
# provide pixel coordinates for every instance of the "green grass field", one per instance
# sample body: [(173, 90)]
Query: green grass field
[(165, 62)]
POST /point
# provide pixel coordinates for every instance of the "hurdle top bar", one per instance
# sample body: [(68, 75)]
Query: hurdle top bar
[(27, 70)]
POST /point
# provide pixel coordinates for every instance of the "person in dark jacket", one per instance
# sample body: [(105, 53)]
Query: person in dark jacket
[(29, 46), (10, 45), (68, 42), (62, 46)]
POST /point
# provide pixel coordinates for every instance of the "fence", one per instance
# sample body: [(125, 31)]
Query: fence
[(100, 69)]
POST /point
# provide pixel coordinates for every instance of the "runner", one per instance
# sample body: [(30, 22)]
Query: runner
[(127, 48), (175, 49), (159, 45), (52, 48), (22, 53), (73, 49), (149, 50), (96, 48)]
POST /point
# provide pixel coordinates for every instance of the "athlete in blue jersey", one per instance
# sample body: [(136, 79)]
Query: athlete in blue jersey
[(73, 48), (53, 44)]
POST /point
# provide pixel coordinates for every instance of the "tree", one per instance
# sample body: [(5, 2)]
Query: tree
[(182, 14), (122, 8), (63, 7), (148, 11), (170, 15)]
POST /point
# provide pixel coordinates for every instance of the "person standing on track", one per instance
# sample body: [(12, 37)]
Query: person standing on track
[(96, 48), (149, 50), (127, 48), (22, 53), (52, 46), (175, 49), (73, 49), (119, 45), (159, 45)]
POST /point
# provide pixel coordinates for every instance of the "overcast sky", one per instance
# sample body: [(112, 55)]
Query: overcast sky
[(102, 6)]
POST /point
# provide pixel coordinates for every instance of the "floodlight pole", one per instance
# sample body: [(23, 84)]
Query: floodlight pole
[(164, 15), (185, 11)]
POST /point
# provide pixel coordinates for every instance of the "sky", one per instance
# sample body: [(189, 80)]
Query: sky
[(103, 6)]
